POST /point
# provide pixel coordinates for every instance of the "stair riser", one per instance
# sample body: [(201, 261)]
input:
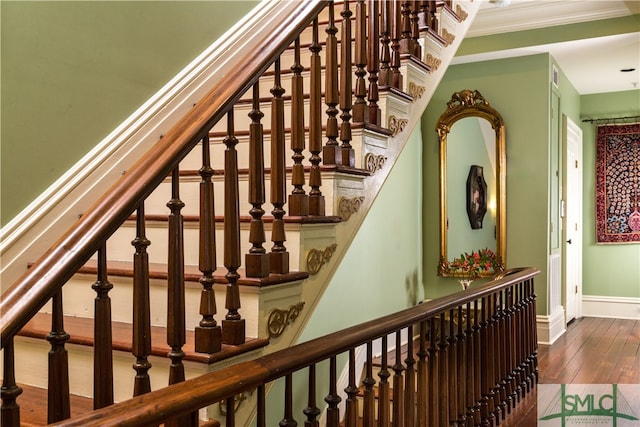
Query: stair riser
[(78, 300), (119, 245), (334, 185), (389, 104)]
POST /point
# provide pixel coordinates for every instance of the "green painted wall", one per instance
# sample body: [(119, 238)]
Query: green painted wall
[(381, 271), (607, 270), (72, 71), (519, 89)]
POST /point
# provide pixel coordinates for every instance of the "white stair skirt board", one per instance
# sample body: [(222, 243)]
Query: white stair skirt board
[(612, 307), (550, 327)]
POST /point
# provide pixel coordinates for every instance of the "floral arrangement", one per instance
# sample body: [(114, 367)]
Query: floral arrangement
[(469, 266)]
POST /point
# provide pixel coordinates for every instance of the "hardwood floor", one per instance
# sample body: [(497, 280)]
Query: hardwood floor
[(592, 351)]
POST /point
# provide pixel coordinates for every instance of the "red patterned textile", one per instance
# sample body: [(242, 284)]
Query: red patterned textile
[(618, 184)]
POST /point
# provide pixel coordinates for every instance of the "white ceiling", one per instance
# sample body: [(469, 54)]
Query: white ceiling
[(592, 65)]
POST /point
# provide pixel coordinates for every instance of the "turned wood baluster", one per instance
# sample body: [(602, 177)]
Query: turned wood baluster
[(526, 384), (485, 361), (208, 334), (230, 409), (422, 383), (495, 357), (58, 383), (333, 399), (103, 354), (494, 410), (452, 379), (406, 42), (298, 199), (526, 351), (478, 358), (434, 380), (141, 347), (510, 348), (384, 416), (443, 373), (415, 29), (347, 153), (461, 361), (410, 382), (433, 19), (176, 323), (374, 115), (316, 199), (532, 360), (502, 362), (520, 362), (423, 13), (398, 386), (288, 420), (470, 367), (257, 262), (233, 325), (331, 97), (10, 410), (279, 255), (351, 407), (396, 36), (261, 412), (360, 59), (176, 328), (384, 76), (368, 394), (312, 412)]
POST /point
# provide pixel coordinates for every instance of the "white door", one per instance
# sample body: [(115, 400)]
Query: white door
[(573, 220)]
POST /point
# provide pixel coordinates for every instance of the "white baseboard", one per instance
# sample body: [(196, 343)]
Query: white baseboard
[(612, 307), (550, 327)]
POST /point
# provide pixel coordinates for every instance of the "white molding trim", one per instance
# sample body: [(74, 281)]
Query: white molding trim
[(32, 231), (550, 327), (612, 307)]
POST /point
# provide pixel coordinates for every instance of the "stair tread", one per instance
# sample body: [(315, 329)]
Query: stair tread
[(80, 330), (33, 410), (193, 274)]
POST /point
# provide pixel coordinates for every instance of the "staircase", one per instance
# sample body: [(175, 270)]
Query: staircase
[(279, 125)]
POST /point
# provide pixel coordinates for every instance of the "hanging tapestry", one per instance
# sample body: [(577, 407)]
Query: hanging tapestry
[(618, 184)]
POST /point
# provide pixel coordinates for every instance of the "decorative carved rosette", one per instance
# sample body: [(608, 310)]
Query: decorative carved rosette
[(433, 62), (316, 258), (279, 319), (447, 36), (462, 14), (347, 207), (374, 162), (397, 125), (416, 91)]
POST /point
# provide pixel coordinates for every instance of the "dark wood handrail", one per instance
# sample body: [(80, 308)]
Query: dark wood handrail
[(47, 275), (217, 386)]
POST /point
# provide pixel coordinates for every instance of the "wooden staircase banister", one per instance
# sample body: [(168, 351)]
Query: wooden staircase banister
[(46, 276), (342, 101), (218, 386)]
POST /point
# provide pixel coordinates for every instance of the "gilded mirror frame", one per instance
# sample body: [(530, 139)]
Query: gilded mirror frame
[(468, 103)]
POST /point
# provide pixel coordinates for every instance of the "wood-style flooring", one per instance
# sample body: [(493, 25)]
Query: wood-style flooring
[(591, 351)]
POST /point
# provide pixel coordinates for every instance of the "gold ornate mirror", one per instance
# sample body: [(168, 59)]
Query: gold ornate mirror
[(472, 188)]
